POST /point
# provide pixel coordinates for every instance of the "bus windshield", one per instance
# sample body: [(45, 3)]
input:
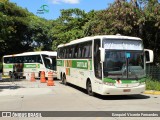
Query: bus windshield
[(53, 62), (49, 62), (124, 64)]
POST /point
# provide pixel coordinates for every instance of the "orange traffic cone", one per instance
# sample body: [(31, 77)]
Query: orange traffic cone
[(33, 77), (43, 79), (50, 81)]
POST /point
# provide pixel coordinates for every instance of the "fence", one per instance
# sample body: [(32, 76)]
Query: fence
[(153, 71)]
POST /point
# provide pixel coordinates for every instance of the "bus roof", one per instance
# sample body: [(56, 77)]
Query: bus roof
[(99, 37), (50, 53)]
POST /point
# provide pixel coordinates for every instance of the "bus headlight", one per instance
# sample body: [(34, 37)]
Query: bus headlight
[(110, 84)]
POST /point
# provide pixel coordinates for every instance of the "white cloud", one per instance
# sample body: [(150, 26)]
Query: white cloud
[(65, 1)]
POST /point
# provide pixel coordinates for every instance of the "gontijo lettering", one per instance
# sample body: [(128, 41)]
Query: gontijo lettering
[(82, 64)]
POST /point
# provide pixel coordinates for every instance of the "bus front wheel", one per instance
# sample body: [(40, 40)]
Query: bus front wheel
[(89, 89)]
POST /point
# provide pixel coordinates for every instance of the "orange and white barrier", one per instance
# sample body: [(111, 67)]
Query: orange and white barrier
[(42, 77), (50, 81)]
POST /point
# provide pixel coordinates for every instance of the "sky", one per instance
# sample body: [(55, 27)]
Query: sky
[(50, 9)]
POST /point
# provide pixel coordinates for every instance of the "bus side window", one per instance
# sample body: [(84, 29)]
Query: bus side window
[(90, 50), (70, 52), (61, 53), (67, 53), (58, 53), (34, 59), (79, 51), (75, 51), (26, 59), (86, 52), (6, 60), (83, 51)]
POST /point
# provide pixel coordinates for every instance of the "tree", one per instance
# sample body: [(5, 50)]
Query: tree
[(12, 27), (22, 31), (68, 26), (151, 31)]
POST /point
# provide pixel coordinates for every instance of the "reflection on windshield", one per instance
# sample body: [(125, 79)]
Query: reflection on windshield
[(124, 64), (49, 64)]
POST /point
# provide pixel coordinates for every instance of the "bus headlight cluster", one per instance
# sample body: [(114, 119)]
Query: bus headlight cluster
[(110, 84)]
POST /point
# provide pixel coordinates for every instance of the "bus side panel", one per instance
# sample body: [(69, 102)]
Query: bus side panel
[(33, 67), (7, 68), (76, 77)]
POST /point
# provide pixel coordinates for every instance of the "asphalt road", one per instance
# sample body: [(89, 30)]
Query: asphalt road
[(24, 95)]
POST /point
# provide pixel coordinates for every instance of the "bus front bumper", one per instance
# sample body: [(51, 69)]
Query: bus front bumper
[(112, 90)]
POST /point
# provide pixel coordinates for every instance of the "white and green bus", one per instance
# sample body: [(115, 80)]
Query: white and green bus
[(106, 64), (23, 64)]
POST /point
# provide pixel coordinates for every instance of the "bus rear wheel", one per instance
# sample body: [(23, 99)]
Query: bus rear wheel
[(89, 89), (64, 81)]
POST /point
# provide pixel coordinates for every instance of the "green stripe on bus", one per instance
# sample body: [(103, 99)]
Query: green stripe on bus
[(9, 66), (31, 65), (109, 80), (81, 64), (60, 62)]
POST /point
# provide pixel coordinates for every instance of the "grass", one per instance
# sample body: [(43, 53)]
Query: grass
[(152, 84)]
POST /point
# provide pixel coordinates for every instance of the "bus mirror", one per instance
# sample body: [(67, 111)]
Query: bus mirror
[(102, 54), (149, 55), (49, 59)]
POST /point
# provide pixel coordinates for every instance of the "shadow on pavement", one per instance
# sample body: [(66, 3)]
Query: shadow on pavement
[(122, 97), (11, 80), (8, 83), (9, 87)]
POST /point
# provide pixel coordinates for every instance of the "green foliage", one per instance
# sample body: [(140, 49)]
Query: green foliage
[(68, 26), (22, 31), (152, 84), (39, 29)]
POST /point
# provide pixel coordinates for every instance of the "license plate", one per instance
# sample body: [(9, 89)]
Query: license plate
[(127, 90)]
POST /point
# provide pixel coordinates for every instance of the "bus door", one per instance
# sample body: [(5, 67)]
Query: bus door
[(18, 70), (96, 60)]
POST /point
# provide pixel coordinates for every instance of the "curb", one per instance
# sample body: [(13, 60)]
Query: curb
[(152, 92)]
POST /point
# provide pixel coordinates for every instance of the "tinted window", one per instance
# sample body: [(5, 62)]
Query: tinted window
[(82, 50), (23, 59)]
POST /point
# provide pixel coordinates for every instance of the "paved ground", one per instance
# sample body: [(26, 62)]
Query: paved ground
[(35, 96)]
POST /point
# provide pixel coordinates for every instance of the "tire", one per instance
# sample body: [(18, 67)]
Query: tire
[(64, 81), (10, 74), (89, 89)]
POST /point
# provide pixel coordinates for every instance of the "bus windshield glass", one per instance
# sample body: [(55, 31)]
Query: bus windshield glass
[(53, 66), (49, 62), (124, 64), (125, 61)]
